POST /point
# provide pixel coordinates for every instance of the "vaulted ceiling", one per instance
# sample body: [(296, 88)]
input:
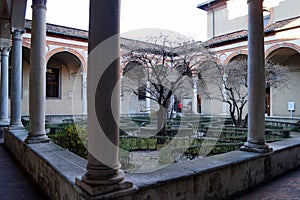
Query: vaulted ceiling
[(12, 17)]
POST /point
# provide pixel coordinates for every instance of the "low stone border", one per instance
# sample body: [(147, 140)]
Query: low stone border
[(51, 166), (219, 176), (215, 177)]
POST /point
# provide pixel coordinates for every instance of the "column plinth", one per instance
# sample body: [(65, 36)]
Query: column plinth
[(257, 147), (113, 184)]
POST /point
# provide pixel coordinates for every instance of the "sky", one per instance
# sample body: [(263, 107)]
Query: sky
[(180, 16)]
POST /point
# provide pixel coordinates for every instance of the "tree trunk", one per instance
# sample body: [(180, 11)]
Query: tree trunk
[(161, 122)]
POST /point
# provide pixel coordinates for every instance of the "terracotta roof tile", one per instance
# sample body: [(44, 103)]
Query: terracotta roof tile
[(62, 30), (243, 34)]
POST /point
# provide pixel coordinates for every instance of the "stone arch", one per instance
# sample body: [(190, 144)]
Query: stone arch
[(26, 44), (65, 82), (71, 51), (288, 49), (129, 65), (235, 54)]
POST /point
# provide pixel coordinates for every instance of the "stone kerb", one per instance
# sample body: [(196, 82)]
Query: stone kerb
[(215, 177), (53, 168)]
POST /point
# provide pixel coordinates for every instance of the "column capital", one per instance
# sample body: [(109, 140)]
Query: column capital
[(5, 42), (4, 51), (248, 1), (17, 33), (42, 4)]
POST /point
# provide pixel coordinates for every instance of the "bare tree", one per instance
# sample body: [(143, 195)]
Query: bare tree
[(231, 82), (163, 68)]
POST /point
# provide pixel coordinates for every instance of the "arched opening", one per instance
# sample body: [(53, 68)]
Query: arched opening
[(64, 84), (239, 57), (134, 89), (280, 96), (206, 101), (268, 95)]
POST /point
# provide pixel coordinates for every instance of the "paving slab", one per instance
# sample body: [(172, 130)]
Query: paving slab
[(14, 183), (285, 187)]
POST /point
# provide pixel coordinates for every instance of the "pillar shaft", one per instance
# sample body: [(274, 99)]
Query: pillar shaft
[(84, 93), (195, 93), (103, 169), (256, 79), (37, 81), (16, 81), (148, 95), (4, 87), (103, 14)]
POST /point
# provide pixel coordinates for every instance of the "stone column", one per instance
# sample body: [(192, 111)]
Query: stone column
[(256, 79), (103, 176), (148, 102), (195, 100), (224, 104), (16, 81), (84, 93), (37, 81), (4, 120)]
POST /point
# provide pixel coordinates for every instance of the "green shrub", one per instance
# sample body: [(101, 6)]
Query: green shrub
[(295, 129), (72, 137)]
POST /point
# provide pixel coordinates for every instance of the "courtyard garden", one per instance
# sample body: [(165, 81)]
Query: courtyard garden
[(185, 138)]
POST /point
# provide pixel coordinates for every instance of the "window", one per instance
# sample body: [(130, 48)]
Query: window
[(142, 92), (267, 17), (52, 82)]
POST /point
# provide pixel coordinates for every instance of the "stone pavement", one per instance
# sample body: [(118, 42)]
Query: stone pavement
[(285, 187), (14, 184)]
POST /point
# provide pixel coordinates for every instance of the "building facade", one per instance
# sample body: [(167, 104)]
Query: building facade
[(228, 32), (66, 50)]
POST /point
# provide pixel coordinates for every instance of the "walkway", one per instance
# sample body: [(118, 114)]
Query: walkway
[(286, 187), (14, 184)]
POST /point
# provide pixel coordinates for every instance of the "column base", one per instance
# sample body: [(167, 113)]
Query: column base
[(103, 189), (15, 127), (4, 122), (259, 147), (33, 139)]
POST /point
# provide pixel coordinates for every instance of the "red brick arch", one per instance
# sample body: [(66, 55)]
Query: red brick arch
[(27, 45), (234, 54), (273, 48), (69, 50)]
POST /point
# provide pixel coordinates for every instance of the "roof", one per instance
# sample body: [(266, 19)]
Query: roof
[(83, 34), (61, 30), (207, 4), (243, 34)]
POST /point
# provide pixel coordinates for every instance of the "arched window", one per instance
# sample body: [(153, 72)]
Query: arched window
[(267, 16)]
